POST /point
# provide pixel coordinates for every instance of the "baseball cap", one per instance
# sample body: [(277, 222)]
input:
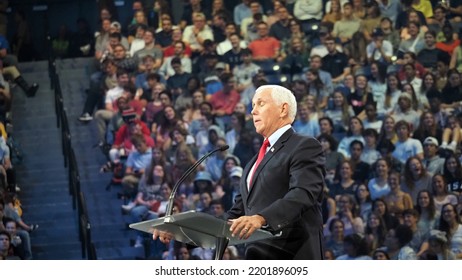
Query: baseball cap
[(116, 24), (236, 171), (431, 140), (128, 115)]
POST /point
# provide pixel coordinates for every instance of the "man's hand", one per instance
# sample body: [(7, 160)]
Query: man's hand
[(164, 236), (245, 226)]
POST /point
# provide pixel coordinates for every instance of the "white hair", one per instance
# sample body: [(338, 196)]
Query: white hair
[(281, 95)]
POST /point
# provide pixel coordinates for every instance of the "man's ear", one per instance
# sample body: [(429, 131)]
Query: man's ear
[(284, 110)]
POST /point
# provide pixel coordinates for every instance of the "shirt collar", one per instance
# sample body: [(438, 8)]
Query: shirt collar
[(277, 134)]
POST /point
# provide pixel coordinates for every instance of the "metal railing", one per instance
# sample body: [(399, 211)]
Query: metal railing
[(70, 162)]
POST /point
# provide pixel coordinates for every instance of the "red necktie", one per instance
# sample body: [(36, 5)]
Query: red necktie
[(261, 155)]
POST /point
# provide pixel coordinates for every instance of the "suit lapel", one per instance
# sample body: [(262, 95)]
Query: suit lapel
[(269, 155)]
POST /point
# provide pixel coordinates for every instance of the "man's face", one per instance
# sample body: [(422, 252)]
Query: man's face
[(123, 80), (106, 25), (230, 29), (429, 150), (235, 41), (315, 63), (429, 40), (265, 112), (166, 25), (262, 30), (347, 10), (254, 8), (410, 220), (199, 22), (282, 13), (330, 45), (178, 49), (356, 151), (141, 147), (148, 38), (119, 52)]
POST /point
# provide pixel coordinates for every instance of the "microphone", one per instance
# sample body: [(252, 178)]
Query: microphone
[(185, 175)]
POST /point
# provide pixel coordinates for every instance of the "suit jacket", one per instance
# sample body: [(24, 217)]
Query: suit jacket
[(287, 190)]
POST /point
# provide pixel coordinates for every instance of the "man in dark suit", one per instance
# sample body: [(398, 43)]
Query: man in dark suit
[(283, 193)]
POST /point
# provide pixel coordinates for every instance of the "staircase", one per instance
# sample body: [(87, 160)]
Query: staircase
[(44, 179)]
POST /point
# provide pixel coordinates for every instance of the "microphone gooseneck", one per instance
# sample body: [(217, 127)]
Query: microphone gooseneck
[(185, 175)]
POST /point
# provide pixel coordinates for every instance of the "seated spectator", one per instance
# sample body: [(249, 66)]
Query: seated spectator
[(379, 49), (405, 112), (419, 241), (379, 185), (214, 164), (438, 243), (371, 121), (197, 33), (375, 231), (167, 69), (224, 100), (380, 207), (333, 158), (20, 240), (450, 223), (123, 144), (177, 35), (103, 116), (428, 56), (414, 43), (397, 200), (355, 247), (137, 42), (151, 49), (136, 164), (428, 127), (343, 183), (427, 212), (397, 243), (168, 121), (334, 242), (370, 154), (347, 25), (453, 174), (227, 45), (361, 96), (233, 56), (389, 32), (415, 177), (354, 133), (281, 29), (5, 247), (448, 44), (433, 162), (265, 48), (451, 94), (245, 71), (406, 146), (307, 120), (361, 169), (348, 214), (340, 113), (441, 195)]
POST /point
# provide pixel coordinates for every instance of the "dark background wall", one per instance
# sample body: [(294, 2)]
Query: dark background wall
[(54, 13)]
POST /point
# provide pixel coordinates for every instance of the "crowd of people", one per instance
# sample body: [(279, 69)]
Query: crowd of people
[(377, 83)]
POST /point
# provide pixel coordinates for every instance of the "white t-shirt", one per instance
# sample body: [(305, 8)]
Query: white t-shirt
[(404, 150)]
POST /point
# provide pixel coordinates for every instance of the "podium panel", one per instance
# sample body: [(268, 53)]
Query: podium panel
[(198, 229)]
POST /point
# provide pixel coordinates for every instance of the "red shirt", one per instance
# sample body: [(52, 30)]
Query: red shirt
[(170, 51), (226, 102), (123, 136), (265, 47)]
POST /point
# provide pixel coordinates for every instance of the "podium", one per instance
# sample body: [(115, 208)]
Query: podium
[(199, 229)]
